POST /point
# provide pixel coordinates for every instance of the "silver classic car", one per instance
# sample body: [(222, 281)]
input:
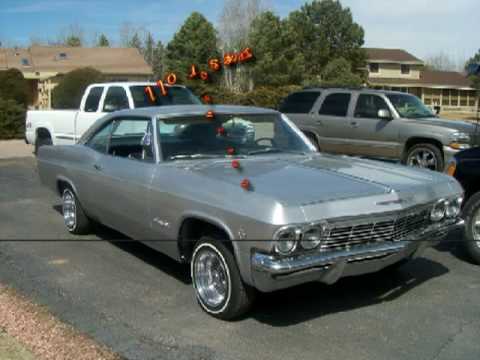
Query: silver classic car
[(241, 195)]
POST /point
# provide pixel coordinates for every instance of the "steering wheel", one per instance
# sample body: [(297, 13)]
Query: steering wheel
[(272, 142)]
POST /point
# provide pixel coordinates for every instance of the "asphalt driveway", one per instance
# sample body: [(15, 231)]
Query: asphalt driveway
[(140, 303)]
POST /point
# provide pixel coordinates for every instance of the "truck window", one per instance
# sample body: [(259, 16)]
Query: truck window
[(116, 99), (175, 96), (335, 105), (299, 103), (93, 99), (368, 106)]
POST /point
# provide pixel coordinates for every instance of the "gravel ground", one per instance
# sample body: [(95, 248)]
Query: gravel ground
[(31, 327)]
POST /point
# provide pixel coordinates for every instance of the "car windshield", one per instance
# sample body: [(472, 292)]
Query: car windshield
[(409, 106), (176, 95), (197, 137)]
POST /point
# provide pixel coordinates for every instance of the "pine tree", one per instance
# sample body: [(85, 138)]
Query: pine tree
[(103, 41)]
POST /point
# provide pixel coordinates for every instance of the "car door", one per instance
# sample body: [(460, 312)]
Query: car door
[(124, 175), (374, 135), (90, 111), (331, 122)]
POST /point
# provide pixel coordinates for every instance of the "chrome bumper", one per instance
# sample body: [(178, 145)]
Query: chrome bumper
[(271, 272)]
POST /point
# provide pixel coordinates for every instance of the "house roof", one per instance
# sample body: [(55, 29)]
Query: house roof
[(391, 56), (428, 78), (64, 59)]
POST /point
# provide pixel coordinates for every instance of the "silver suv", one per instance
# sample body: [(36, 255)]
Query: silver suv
[(378, 124)]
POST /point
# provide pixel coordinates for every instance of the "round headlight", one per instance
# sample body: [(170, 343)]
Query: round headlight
[(438, 211), (286, 240), (312, 237), (453, 208)]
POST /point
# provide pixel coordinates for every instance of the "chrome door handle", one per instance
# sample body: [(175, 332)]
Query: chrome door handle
[(97, 167)]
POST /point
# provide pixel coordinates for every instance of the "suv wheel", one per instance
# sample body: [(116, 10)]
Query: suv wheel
[(216, 279), (426, 156), (471, 214)]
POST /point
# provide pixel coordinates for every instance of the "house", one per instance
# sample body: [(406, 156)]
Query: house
[(43, 66), (396, 69)]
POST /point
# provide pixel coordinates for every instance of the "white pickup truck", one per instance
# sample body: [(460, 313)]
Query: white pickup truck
[(65, 127)]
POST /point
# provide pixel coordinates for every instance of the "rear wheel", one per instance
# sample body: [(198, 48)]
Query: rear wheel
[(471, 214), (73, 215), (313, 140), (42, 141), (426, 156), (216, 279)]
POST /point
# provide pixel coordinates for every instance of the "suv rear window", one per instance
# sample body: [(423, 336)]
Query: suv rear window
[(299, 103), (335, 105)]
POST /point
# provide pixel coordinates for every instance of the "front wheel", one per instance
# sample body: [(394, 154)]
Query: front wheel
[(426, 156), (217, 282), (471, 214)]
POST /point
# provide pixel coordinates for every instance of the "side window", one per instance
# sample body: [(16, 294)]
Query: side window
[(116, 99), (299, 103), (368, 106), (335, 105), (93, 99), (99, 141), (133, 139)]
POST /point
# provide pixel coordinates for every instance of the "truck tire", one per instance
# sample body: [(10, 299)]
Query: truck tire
[(74, 217), (471, 215), (426, 156), (218, 286), (43, 140)]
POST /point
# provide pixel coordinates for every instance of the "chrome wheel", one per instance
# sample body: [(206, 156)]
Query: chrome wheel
[(476, 227), (423, 158), (69, 209), (210, 276)]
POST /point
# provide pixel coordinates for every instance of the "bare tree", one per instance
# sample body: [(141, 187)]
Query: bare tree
[(234, 26), (443, 61)]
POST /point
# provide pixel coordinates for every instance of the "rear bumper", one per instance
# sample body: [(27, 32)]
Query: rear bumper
[(271, 272)]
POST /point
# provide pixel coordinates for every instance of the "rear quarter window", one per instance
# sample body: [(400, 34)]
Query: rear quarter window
[(299, 103)]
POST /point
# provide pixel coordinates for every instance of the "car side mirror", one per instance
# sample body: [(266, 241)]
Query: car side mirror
[(384, 114), (110, 108)]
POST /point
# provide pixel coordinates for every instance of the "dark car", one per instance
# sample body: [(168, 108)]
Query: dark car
[(465, 167)]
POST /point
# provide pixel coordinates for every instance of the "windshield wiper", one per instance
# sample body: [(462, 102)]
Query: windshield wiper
[(194, 156), (275, 150)]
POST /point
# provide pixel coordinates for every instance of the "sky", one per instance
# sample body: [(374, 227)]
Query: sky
[(422, 27)]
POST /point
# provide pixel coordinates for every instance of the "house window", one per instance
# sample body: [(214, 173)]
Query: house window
[(25, 62), (405, 69), (62, 56), (374, 68)]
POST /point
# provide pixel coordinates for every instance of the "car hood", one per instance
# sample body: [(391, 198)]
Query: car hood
[(318, 178), (459, 125)]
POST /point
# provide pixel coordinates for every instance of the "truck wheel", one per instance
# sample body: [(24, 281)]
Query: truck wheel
[(471, 214), (313, 140), (42, 141), (426, 156), (216, 279), (73, 215)]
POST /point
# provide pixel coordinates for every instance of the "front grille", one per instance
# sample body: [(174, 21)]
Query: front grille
[(396, 227)]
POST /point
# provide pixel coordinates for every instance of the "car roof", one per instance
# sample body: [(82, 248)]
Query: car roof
[(168, 111)]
